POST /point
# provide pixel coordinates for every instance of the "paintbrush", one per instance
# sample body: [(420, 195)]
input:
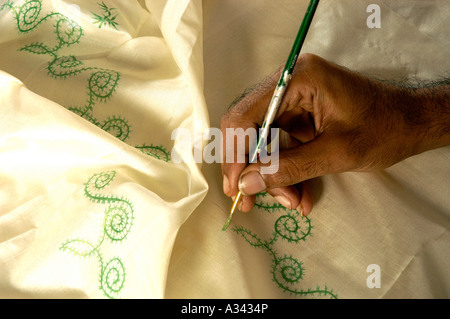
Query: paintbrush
[(278, 94)]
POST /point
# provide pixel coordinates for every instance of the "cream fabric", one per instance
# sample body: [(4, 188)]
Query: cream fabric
[(65, 180), (172, 64), (398, 219)]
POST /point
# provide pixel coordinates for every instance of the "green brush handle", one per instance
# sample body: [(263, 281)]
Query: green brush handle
[(284, 79), (300, 39)]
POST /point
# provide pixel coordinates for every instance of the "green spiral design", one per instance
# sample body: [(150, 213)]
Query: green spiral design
[(289, 227), (117, 224), (102, 83), (119, 213), (68, 31), (287, 271), (117, 127), (28, 15), (118, 221), (102, 180), (156, 151), (112, 278), (28, 18), (65, 66)]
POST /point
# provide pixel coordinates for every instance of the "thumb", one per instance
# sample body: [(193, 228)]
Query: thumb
[(318, 157)]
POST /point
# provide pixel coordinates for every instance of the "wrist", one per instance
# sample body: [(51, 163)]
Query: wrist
[(428, 116)]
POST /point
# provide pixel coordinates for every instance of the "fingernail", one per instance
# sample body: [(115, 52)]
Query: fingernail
[(283, 201), (226, 185), (301, 210), (251, 183)]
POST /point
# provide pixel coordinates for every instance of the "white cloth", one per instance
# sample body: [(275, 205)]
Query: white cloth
[(397, 219), (85, 212)]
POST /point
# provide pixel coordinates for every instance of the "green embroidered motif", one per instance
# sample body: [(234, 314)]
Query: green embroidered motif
[(27, 18), (101, 83), (158, 152), (117, 222), (106, 18), (287, 271)]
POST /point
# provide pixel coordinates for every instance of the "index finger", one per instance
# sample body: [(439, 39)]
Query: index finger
[(246, 113)]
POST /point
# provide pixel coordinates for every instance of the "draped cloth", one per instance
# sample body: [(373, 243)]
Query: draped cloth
[(93, 203)]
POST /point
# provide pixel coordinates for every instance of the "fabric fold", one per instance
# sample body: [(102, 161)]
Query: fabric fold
[(90, 198)]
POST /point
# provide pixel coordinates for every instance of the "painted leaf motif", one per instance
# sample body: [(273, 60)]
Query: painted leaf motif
[(251, 238), (36, 48), (78, 247)]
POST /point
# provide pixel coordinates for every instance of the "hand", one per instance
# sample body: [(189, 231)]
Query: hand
[(334, 120)]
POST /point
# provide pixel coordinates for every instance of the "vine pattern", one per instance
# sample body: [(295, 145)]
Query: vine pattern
[(101, 83), (287, 271), (117, 222)]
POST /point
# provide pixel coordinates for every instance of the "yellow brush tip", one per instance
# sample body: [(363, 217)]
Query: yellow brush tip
[(233, 208)]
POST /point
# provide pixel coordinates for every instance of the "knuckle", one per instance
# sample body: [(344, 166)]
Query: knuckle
[(288, 174), (310, 59), (291, 101)]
